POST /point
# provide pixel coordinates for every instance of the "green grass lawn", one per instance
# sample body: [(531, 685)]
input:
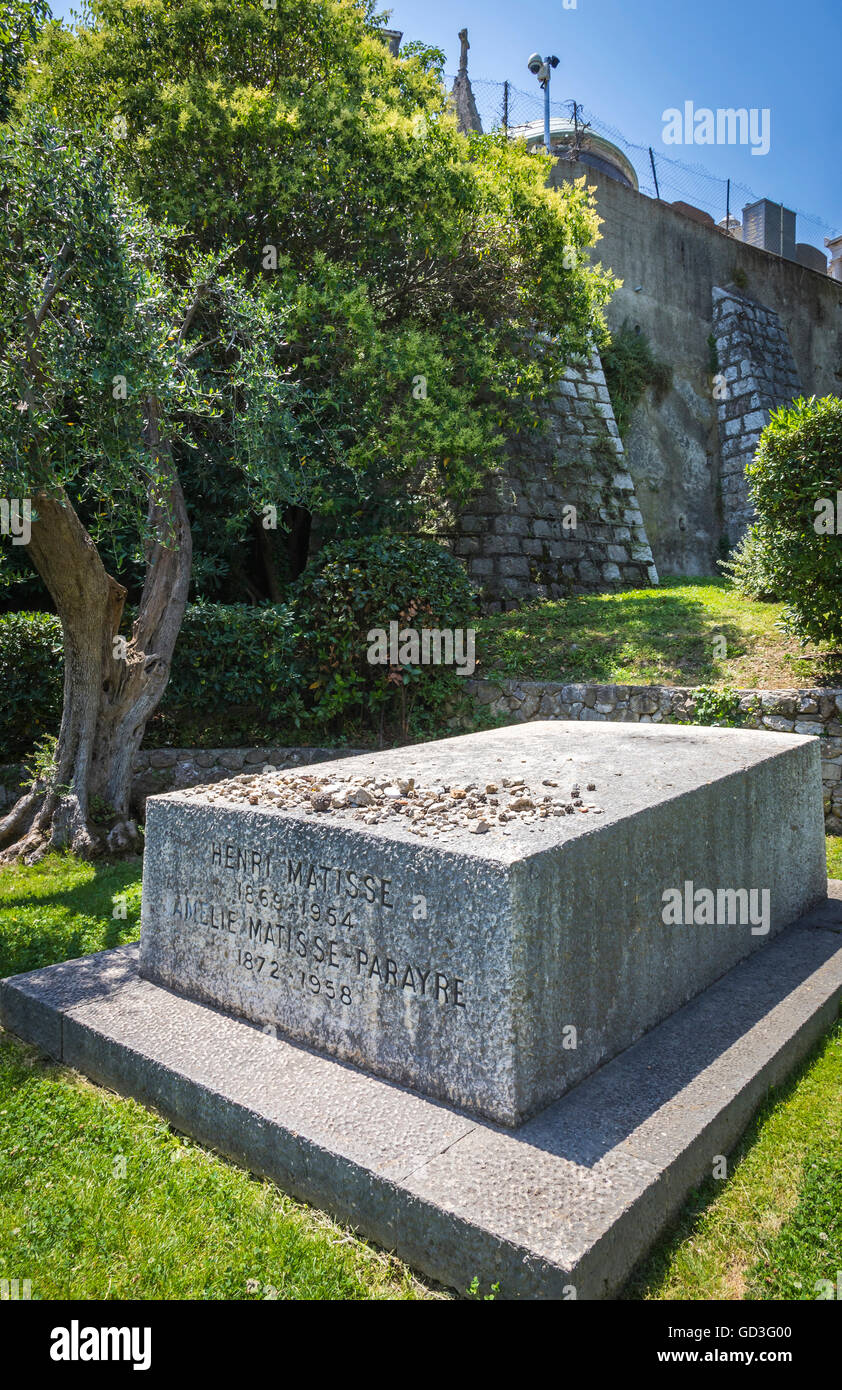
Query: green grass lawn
[(661, 636), (100, 1198), (774, 1227), (834, 856)]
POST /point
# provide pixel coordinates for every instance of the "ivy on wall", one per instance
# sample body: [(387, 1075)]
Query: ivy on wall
[(630, 369)]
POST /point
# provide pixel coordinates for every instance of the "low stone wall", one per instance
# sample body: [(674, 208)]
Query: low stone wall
[(816, 712), (11, 781), (165, 769)]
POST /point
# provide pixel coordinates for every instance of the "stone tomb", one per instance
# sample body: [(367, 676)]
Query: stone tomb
[(517, 946), (491, 948)]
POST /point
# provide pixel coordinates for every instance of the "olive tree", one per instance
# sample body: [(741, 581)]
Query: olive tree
[(248, 255), (104, 374)]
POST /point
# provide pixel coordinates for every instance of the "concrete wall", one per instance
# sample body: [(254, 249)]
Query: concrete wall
[(673, 449)]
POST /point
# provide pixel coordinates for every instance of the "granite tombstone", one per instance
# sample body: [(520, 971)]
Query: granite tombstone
[(488, 918)]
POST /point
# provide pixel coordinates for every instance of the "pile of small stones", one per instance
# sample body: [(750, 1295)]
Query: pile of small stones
[(427, 811)]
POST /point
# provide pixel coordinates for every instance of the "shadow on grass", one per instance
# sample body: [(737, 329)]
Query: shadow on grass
[(23, 1065), (39, 950), (663, 634), (42, 923)]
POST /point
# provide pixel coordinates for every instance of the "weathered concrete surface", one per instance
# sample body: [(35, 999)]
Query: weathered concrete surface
[(493, 971), (563, 1207), (669, 266)]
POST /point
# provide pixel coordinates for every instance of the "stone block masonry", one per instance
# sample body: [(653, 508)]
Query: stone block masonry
[(560, 515), (482, 969), (757, 373)]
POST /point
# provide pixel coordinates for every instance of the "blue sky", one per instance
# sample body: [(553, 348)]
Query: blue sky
[(628, 61)]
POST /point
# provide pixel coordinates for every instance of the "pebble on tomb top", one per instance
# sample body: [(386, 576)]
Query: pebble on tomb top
[(435, 810)]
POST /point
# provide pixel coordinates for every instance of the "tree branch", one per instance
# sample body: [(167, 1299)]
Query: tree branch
[(53, 282)]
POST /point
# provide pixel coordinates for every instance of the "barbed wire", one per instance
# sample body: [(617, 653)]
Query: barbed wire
[(500, 103)]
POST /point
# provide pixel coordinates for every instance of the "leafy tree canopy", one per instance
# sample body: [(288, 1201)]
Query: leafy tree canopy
[(20, 23), (403, 248)]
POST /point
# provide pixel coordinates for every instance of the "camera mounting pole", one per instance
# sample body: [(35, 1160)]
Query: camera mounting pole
[(543, 70)]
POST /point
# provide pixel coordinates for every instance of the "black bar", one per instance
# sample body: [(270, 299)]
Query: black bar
[(654, 174)]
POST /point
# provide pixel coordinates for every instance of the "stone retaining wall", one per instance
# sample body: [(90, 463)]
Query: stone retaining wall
[(757, 373), (816, 712), (11, 782), (560, 515)]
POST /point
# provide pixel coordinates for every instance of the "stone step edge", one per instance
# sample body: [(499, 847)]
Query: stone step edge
[(439, 1214)]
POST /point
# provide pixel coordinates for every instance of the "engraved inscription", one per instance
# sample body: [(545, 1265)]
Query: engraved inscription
[(300, 924)]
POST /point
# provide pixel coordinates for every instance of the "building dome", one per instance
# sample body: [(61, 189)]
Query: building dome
[(593, 150)]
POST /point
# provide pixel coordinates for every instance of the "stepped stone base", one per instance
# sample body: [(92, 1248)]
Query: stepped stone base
[(561, 1208)]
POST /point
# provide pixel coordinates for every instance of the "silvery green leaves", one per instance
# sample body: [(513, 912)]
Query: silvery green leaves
[(85, 303), (103, 312)]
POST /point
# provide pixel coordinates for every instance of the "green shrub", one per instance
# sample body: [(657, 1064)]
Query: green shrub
[(356, 586), (713, 355), (717, 707), (630, 368), (236, 655), (31, 680), (748, 568), (240, 672), (41, 765), (721, 707), (229, 659), (797, 465)]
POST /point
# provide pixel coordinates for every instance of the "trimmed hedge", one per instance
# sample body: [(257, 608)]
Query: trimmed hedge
[(238, 671), (356, 586), (236, 655), (225, 656)]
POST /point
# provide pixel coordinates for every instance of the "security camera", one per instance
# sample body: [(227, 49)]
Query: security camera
[(553, 62), (535, 64)]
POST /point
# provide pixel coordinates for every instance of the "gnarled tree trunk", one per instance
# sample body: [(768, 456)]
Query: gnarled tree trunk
[(110, 687)]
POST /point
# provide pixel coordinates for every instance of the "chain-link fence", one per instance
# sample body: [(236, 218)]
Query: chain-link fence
[(500, 103)]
